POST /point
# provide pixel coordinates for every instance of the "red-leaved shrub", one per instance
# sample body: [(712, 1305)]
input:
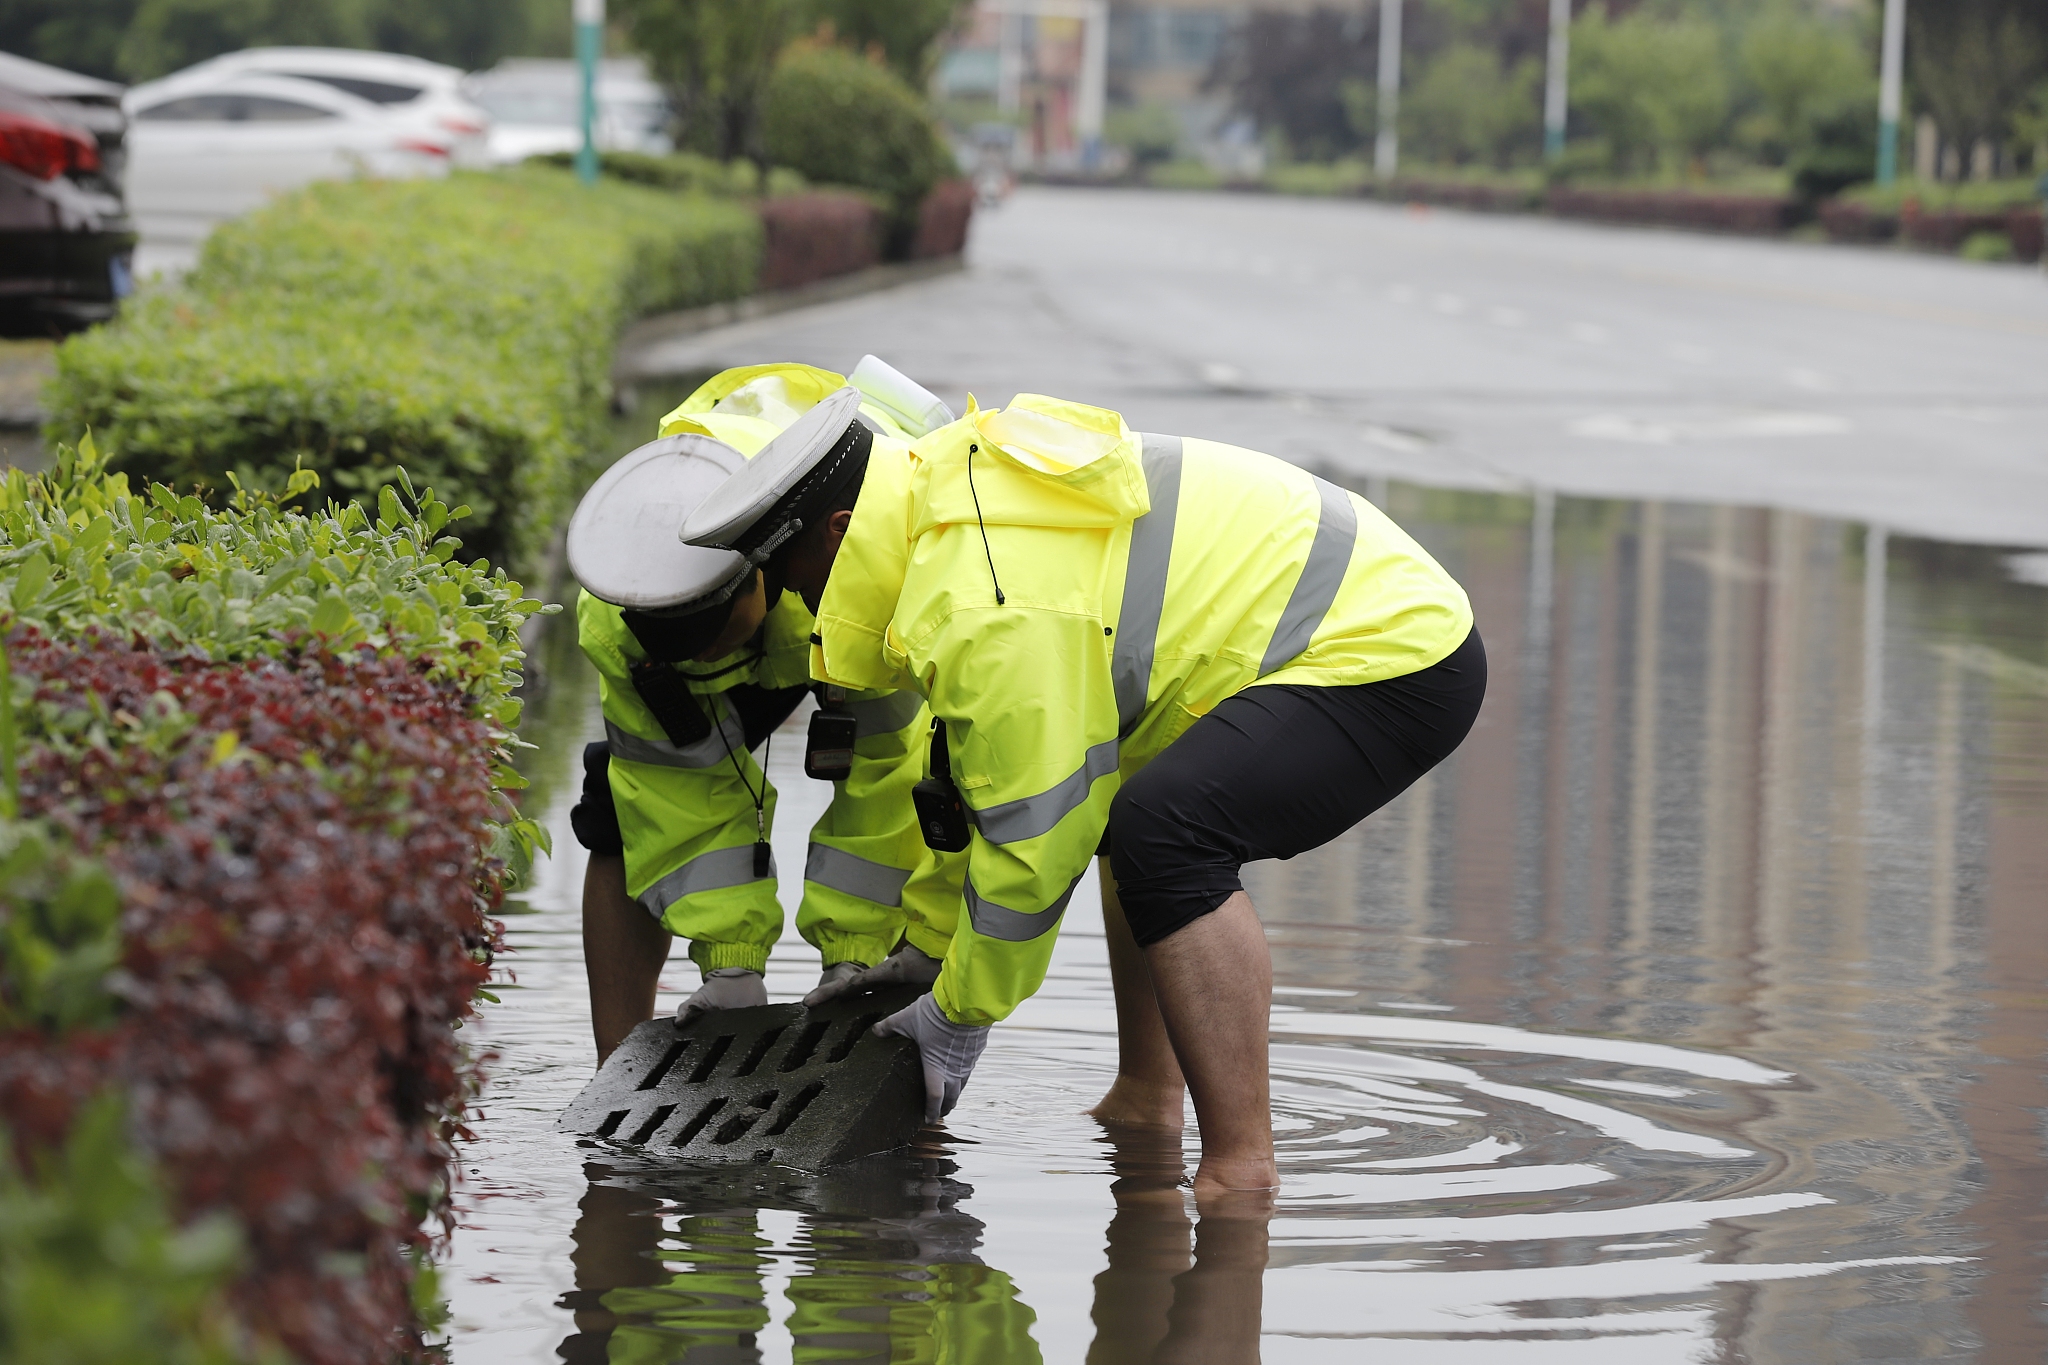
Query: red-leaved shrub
[(1746, 213), (300, 845), (811, 237), (942, 220)]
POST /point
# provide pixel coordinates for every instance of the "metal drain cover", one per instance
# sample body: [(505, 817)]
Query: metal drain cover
[(776, 1084)]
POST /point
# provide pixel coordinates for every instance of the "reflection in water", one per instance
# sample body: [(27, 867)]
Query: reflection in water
[(1693, 1012), (677, 1267)]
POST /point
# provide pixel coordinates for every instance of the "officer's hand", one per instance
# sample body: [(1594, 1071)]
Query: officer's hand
[(724, 988), (905, 967), (948, 1051)]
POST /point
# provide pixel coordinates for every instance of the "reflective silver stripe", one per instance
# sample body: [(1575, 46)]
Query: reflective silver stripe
[(1013, 926), (884, 715), (707, 752), (713, 871), (1137, 622), (1030, 816), (1322, 573), (842, 871)]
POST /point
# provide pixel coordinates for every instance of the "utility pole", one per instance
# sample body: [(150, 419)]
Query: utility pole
[(589, 16), (1556, 86), (1891, 71), (1386, 147)]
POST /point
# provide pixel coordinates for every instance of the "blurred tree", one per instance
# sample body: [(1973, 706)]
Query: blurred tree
[(1974, 62), (1464, 107), (141, 39), (1290, 73), (906, 31), (1149, 132), (79, 35), (1804, 68), (168, 35), (1650, 86), (715, 56)]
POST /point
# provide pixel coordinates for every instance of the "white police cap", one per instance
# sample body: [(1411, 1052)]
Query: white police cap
[(622, 539), (759, 508)]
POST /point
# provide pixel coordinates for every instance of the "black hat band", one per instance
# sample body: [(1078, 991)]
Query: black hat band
[(801, 505)]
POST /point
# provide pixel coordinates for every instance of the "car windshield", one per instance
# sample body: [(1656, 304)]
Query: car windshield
[(376, 92), (229, 108)]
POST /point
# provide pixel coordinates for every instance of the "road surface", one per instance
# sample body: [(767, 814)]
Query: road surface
[(1494, 352)]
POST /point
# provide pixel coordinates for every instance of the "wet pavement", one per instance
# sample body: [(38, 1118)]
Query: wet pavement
[(1694, 1011)]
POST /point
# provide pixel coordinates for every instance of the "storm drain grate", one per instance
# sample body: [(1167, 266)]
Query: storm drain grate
[(777, 1084)]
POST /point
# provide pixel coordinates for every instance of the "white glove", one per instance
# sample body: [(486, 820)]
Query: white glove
[(724, 988), (907, 966), (948, 1051)]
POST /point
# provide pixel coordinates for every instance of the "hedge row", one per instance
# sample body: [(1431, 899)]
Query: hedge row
[(259, 762), (461, 328)]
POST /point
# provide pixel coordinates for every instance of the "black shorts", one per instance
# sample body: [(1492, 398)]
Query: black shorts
[(1275, 771), (595, 819)]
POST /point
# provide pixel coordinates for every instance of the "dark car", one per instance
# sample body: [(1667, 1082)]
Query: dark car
[(66, 243)]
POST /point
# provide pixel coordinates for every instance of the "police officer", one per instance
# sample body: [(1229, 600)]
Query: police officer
[(700, 656), (1185, 654)]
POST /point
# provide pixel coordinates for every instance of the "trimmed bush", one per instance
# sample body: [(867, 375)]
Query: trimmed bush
[(687, 173), (942, 220), (811, 237), (839, 119), (460, 328), (1748, 213), (285, 738)]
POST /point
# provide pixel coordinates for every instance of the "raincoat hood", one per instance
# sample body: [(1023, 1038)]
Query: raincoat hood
[(1039, 462)]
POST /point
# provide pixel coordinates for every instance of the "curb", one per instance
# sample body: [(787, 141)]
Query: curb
[(633, 361)]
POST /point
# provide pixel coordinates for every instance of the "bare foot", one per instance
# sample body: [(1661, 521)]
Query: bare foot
[(1236, 1178), (1142, 1104)]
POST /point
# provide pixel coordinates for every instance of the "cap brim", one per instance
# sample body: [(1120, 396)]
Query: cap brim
[(735, 507), (622, 543)]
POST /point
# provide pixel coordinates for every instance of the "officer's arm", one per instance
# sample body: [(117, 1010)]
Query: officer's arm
[(1031, 727)]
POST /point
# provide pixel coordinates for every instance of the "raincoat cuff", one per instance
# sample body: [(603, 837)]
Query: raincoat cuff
[(926, 940), (712, 956), (865, 949)]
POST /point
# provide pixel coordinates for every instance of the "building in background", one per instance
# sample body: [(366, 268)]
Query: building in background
[(1044, 77)]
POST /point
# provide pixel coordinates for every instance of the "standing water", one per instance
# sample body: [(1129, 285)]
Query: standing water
[(1694, 1011)]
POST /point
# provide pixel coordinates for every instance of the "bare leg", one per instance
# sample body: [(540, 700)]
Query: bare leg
[(1214, 982), (1148, 1089), (623, 952)]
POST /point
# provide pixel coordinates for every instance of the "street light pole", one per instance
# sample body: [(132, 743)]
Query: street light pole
[(1891, 71), (589, 16), (1386, 147), (1556, 85)]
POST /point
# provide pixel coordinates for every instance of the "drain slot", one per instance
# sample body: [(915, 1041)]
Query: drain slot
[(668, 1060), (806, 1043), (696, 1125), (612, 1121), (736, 1127), (711, 1060), (795, 1108), (853, 1035), (654, 1121), (759, 1050)]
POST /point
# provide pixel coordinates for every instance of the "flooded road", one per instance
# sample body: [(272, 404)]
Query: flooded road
[(1694, 1012)]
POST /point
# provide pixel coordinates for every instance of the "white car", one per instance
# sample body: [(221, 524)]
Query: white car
[(426, 96), (209, 147), (536, 107)]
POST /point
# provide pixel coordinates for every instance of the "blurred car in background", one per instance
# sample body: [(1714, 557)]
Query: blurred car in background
[(66, 243), (536, 105), (425, 96), (207, 145)]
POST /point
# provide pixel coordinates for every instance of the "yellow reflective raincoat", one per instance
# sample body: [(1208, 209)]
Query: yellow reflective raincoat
[(1143, 580), (686, 813)]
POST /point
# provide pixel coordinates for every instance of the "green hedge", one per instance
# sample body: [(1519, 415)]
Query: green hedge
[(688, 173), (840, 119), (462, 328)]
